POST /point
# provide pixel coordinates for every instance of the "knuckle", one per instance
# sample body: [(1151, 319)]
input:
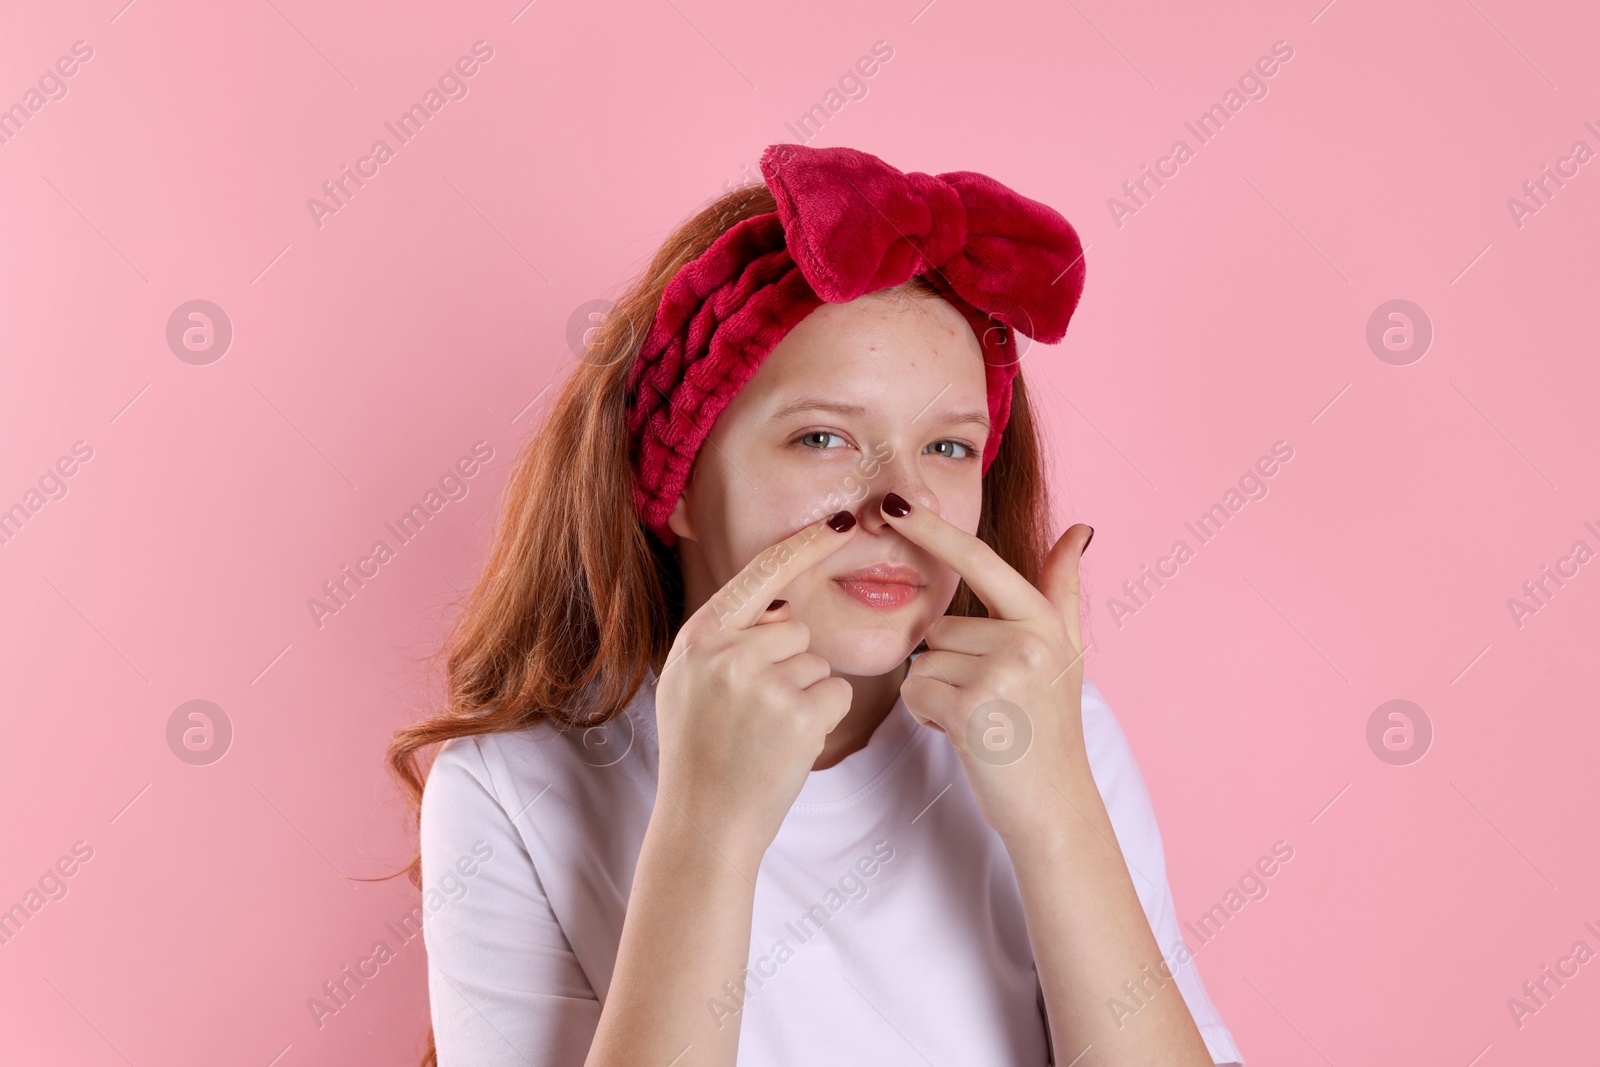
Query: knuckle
[(820, 695), (728, 665), (816, 665), (774, 693), (1031, 650), (916, 688)]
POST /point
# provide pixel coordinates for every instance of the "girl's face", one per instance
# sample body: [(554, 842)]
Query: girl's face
[(882, 394)]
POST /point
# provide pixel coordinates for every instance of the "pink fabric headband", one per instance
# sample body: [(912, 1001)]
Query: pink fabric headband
[(847, 224)]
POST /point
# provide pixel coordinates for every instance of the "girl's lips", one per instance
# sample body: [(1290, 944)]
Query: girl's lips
[(881, 595)]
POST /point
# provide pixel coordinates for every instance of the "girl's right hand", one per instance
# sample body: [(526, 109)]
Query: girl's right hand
[(742, 708)]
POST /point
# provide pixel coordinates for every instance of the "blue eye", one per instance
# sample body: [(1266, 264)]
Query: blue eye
[(967, 450), (818, 433)]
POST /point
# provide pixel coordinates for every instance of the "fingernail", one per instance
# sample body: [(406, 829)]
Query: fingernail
[(776, 604), (841, 521), (894, 504), (1086, 542)]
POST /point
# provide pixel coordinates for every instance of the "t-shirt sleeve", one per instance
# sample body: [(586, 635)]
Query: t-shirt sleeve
[(1122, 788), (504, 986)]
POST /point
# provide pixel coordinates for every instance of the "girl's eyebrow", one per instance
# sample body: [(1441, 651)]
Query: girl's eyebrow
[(835, 407), (807, 404)]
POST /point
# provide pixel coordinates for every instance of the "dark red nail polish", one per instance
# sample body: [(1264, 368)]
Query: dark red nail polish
[(1086, 542), (776, 604), (841, 521), (894, 504)]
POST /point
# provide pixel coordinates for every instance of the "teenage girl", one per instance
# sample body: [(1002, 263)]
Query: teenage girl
[(767, 738)]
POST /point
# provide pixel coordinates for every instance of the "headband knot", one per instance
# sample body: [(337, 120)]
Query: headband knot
[(847, 224), (855, 225)]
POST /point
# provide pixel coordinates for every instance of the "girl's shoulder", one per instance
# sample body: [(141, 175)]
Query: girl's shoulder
[(596, 769)]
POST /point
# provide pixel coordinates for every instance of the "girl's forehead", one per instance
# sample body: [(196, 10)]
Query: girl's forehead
[(910, 341)]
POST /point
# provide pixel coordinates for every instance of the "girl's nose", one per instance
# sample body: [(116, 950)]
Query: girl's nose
[(901, 480)]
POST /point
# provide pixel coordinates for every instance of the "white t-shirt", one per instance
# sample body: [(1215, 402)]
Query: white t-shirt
[(888, 928)]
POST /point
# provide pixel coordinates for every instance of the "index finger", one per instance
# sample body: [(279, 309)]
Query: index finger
[(740, 602), (1007, 594)]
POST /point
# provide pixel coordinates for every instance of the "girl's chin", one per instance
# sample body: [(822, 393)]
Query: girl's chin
[(864, 652), (866, 642)]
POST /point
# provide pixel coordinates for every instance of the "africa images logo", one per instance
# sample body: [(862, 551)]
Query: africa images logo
[(452, 85)]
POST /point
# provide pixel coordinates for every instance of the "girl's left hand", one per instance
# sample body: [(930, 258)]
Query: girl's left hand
[(1008, 689)]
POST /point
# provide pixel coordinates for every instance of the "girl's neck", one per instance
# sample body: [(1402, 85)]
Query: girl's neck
[(874, 696)]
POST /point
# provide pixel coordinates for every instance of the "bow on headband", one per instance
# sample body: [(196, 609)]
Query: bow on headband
[(847, 224)]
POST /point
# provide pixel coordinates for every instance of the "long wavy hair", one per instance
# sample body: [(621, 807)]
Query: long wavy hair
[(576, 598)]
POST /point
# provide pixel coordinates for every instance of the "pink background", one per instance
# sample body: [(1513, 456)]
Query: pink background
[(431, 312)]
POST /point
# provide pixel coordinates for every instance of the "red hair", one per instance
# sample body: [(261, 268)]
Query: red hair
[(576, 598)]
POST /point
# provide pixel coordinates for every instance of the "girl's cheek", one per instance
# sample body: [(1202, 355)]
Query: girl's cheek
[(805, 500), (853, 488), (961, 509)]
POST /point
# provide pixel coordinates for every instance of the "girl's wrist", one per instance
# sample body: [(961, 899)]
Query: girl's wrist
[(711, 845), (1064, 804), (1029, 795)]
